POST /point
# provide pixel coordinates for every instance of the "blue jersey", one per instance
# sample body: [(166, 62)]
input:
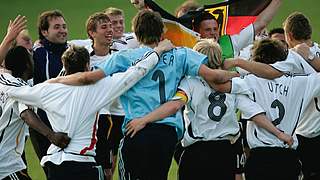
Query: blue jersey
[(159, 85)]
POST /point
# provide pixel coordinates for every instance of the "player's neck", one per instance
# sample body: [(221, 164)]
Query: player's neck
[(309, 42), (153, 45), (101, 50)]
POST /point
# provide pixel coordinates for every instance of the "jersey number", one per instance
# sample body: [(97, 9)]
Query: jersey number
[(217, 99), (277, 104), (158, 74)]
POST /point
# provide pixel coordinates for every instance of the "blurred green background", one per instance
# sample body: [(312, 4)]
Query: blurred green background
[(77, 11)]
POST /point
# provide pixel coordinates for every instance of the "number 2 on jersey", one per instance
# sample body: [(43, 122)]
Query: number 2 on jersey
[(277, 104), (158, 74)]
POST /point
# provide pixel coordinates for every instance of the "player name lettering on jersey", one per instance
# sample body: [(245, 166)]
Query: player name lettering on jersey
[(278, 88), (167, 59)]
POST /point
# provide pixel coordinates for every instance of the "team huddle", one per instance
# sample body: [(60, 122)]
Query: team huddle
[(137, 101)]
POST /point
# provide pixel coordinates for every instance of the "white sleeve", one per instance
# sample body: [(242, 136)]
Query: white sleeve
[(243, 39), (240, 86), (81, 42), (248, 107), (293, 64), (313, 85), (28, 95), (22, 107), (111, 87), (186, 88)]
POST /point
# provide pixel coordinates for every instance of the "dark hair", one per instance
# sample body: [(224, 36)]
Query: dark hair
[(275, 31), (298, 24), (18, 60), (201, 17), (269, 51), (93, 21), (43, 21), (148, 26), (75, 59)]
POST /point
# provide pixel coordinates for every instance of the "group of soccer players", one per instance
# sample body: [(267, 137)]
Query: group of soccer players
[(170, 97)]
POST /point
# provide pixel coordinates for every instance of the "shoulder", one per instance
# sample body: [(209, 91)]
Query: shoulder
[(38, 49), (9, 80)]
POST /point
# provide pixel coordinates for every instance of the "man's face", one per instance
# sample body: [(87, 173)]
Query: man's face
[(117, 22), (57, 31), (209, 29), (139, 4), (103, 33)]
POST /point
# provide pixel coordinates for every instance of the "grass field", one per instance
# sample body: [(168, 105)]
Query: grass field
[(77, 11), (37, 173)]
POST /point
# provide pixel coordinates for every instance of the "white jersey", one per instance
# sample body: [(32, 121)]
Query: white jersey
[(127, 41), (309, 126), (294, 64), (81, 42), (12, 128), (212, 114), (115, 107), (73, 109), (284, 100)]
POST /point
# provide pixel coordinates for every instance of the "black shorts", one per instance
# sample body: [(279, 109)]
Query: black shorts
[(103, 148), (205, 159), (309, 154), (147, 155), (20, 175), (178, 152), (240, 156), (116, 133), (266, 163), (73, 170), (239, 153)]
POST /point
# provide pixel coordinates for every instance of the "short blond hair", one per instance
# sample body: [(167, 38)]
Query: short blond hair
[(112, 11), (211, 49)]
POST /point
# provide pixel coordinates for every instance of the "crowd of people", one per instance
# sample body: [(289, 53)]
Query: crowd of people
[(235, 107)]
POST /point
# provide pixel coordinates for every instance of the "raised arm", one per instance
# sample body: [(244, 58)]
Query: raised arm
[(14, 28), (167, 109), (256, 68), (265, 17), (57, 138)]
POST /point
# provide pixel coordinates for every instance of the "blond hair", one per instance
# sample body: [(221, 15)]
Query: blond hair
[(112, 11), (211, 49)]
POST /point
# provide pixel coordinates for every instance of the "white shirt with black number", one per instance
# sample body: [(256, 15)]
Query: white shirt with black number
[(74, 109), (12, 128), (284, 99), (212, 115)]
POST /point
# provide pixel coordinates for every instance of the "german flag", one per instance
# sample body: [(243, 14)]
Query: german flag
[(232, 17)]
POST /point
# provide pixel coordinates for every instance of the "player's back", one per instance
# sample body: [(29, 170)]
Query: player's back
[(12, 128), (284, 100), (212, 114), (159, 85)]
